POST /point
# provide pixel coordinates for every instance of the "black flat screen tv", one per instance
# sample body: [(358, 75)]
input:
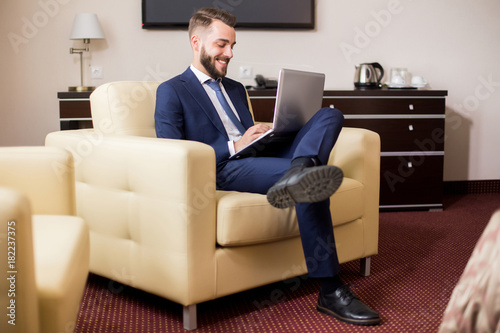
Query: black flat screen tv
[(259, 14)]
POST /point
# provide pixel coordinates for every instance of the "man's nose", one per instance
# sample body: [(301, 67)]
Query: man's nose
[(228, 52)]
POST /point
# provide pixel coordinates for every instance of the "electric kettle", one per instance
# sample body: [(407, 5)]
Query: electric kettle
[(366, 75)]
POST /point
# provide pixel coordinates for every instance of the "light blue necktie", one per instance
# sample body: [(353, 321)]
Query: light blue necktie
[(220, 96)]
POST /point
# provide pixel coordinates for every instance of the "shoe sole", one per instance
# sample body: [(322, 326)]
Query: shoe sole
[(317, 184), (366, 322)]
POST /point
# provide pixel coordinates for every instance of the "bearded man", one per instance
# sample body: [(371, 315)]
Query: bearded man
[(203, 105)]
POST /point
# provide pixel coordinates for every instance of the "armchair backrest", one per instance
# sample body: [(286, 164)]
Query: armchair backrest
[(125, 107), (45, 175)]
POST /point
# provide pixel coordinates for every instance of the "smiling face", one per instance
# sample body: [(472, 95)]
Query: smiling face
[(213, 48)]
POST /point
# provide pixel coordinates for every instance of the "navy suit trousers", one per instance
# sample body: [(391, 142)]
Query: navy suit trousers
[(258, 174)]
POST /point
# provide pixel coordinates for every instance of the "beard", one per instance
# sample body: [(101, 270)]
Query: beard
[(209, 63)]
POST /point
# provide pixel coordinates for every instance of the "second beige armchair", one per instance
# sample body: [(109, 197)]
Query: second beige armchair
[(45, 248)]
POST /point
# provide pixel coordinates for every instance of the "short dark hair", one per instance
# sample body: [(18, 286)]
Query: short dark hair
[(205, 16)]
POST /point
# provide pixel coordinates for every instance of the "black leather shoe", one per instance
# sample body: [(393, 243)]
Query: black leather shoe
[(312, 184), (344, 306)]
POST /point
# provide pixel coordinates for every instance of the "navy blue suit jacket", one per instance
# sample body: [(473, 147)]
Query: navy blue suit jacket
[(184, 111)]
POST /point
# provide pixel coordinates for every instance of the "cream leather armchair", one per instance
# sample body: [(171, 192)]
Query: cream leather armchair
[(45, 256), (158, 223)]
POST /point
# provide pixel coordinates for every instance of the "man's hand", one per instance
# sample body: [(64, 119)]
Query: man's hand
[(251, 134)]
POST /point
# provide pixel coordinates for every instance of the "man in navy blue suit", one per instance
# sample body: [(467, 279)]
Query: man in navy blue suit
[(203, 105)]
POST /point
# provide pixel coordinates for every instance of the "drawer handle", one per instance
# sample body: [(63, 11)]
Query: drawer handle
[(410, 165), (410, 106), (410, 127), (332, 106)]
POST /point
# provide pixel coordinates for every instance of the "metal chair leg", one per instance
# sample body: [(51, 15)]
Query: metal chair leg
[(365, 266), (189, 317)]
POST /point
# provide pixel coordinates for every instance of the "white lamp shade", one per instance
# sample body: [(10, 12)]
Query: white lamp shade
[(86, 26)]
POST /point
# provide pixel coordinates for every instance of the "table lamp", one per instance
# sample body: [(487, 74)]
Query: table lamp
[(86, 26)]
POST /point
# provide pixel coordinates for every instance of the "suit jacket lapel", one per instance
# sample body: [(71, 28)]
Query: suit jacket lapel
[(199, 94), (241, 108)]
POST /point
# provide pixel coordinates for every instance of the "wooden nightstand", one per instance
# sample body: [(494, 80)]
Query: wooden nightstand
[(74, 110)]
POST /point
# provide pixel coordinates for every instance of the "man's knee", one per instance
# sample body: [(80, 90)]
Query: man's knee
[(332, 114)]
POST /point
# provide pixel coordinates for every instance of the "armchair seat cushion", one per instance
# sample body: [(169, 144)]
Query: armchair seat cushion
[(248, 219)]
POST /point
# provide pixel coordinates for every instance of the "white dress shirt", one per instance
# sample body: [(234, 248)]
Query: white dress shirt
[(232, 132)]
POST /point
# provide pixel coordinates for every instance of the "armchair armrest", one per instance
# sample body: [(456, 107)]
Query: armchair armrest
[(15, 213), (357, 153), (155, 197)]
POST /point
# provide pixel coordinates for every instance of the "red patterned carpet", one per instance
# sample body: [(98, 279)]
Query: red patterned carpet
[(421, 257)]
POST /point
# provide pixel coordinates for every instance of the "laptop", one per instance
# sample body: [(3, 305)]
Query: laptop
[(299, 96)]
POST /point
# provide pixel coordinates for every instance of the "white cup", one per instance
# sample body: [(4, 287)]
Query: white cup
[(400, 76), (397, 79)]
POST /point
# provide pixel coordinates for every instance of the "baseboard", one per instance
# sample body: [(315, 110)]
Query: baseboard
[(472, 187)]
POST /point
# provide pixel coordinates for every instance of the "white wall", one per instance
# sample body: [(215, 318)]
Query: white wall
[(454, 44)]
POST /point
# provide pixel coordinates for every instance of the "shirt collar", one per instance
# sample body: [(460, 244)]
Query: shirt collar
[(202, 77)]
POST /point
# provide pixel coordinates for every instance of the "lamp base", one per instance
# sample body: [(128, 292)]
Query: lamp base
[(81, 88)]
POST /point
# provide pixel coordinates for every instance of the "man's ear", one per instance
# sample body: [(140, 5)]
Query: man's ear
[(195, 42)]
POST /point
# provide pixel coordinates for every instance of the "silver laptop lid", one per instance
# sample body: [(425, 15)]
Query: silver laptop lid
[(299, 97)]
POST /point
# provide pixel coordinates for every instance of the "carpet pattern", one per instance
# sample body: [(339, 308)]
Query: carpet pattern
[(421, 257)]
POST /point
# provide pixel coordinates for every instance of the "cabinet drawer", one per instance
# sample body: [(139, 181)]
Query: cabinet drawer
[(74, 109), (405, 106), (411, 180), (263, 109), (75, 124), (405, 134)]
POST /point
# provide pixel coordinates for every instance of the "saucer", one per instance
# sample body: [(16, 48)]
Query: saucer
[(405, 86), (420, 85), (399, 86)]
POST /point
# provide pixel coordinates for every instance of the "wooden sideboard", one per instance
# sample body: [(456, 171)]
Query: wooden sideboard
[(410, 123)]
